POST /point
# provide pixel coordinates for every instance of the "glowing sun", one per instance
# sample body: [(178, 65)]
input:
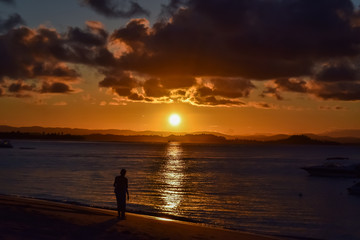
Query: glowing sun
[(174, 119)]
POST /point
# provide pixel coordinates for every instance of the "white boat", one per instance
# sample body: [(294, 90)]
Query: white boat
[(334, 170), (355, 189)]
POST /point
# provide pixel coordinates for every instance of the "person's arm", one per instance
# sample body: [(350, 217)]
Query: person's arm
[(115, 182)]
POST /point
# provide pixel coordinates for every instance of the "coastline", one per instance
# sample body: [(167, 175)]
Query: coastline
[(29, 218)]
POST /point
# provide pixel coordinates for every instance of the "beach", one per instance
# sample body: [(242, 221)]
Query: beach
[(28, 218)]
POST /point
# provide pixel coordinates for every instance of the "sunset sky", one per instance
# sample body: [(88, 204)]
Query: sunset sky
[(230, 66)]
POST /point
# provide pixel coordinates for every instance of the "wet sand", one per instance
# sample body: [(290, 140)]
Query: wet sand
[(26, 218)]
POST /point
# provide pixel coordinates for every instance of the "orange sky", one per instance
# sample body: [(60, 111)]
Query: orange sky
[(219, 67)]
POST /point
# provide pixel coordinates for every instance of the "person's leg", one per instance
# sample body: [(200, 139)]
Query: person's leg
[(123, 206), (118, 202)]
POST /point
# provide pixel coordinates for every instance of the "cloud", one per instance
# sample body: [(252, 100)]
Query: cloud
[(46, 58), (226, 87), (56, 87), (344, 91), (337, 72), (326, 90), (338, 108), (19, 87), (291, 85), (254, 41), (93, 35), (11, 22), (116, 9), (201, 52), (8, 1)]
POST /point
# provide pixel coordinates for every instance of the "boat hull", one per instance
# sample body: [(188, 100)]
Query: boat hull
[(333, 172), (355, 189)]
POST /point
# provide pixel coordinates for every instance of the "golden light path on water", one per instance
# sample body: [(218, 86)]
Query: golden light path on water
[(173, 174)]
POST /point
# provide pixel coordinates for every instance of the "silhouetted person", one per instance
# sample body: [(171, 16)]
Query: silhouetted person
[(121, 189)]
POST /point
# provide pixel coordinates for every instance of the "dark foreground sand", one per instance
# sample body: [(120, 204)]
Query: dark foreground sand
[(24, 218)]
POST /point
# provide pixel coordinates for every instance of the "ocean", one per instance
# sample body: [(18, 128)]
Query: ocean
[(259, 188)]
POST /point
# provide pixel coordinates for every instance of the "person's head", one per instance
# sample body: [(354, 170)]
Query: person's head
[(123, 172)]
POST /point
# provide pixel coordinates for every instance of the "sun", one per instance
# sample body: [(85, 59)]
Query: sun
[(174, 119)]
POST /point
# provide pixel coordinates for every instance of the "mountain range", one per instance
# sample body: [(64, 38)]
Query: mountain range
[(340, 136)]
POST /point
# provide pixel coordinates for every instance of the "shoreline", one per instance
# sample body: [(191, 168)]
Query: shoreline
[(31, 218)]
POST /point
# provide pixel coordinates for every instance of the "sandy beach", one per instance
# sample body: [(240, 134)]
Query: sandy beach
[(26, 218)]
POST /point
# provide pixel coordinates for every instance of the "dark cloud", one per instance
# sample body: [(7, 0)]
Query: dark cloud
[(326, 90), (18, 87), (201, 52), (344, 91), (134, 34), (285, 85), (221, 91), (116, 8), (25, 54), (11, 22), (8, 1), (126, 85), (56, 87), (135, 97), (291, 85), (170, 9), (264, 105), (92, 36), (254, 39), (337, 72), (215, 101), (272, 92), (154, 88), (118, 79), (43, 55), (120, 82), (338, 108)]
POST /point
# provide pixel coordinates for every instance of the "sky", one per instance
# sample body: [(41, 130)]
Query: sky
[(230, 66)]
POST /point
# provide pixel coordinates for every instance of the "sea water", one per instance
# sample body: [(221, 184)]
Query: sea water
[(257, 188)]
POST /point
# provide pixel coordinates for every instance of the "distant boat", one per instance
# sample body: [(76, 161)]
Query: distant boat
[(337, 158), (334, 170), (355, 189), (5, 144)]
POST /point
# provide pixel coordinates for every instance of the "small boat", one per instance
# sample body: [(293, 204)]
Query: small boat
[(5, 144), (334, 170), (337, 158), (354, 189)]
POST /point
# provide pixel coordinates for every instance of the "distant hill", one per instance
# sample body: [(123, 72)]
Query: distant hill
[(303, 140), (344, 136), (345, 133), (261, 137), (80, 131)]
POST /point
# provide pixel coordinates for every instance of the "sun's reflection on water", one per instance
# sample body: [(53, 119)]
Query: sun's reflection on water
[(172, 174)]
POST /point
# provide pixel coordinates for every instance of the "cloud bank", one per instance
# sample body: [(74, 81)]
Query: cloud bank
[(116, 9), (202, 52), (8, 1)]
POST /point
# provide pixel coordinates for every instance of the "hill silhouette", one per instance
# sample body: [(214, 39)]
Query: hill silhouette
[(8, 132), (187, 138), (302, 139)]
